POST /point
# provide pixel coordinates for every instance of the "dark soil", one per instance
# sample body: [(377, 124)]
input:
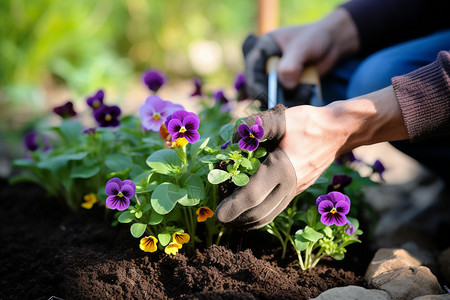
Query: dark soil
[(46, 251)]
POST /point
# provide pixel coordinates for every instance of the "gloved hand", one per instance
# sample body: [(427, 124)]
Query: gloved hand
[(256, 53), (271, 188)]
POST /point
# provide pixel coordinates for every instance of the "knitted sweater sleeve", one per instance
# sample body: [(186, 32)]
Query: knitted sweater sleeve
[(424, 98)]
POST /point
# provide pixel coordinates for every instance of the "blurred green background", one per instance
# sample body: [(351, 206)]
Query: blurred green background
[(68, 49)]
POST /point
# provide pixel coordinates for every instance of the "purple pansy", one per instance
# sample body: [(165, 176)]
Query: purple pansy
[(239, 85), (107, 116), (66, 110), (119, 193), (225, 145), (153, 79), (184, 124), (378, 168), (155, 111), (219, 97), (346, 158), (96, 101), (350, 228), (339, 182), (250, 136), (333, 207), (32, 144), (197, 88)]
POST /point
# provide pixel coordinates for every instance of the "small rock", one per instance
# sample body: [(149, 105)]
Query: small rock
[(386, 260), (425, 257), (433, 297), (352, 292), (444, 264), (407, 283)]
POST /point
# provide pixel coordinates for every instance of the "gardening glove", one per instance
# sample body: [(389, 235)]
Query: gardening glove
[(256, 53), (271, 188)]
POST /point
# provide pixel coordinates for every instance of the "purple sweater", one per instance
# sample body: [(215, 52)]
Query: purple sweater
[(424, 94)]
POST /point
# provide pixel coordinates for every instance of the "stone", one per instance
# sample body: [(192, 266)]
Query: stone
[(386, 260), (352, 292), (407, 283), (444, 264), (425, 257), (433, 297)]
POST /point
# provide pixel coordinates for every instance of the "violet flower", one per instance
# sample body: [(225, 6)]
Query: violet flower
[(239, 85), (350, 228), (119, 193), (107, 116), (65, 111), (225, 145), (32, 144), (155, 111), (153, 79), (333, 207), (96, 101), (339, 182), (184, 125), (379, 168), (219, 97), (250, 136), (345, 158), (197, 88)]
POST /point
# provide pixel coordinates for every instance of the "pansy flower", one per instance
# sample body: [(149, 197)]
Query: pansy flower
[(203, 213), (350, 228), (155, 111), (333, 208), (239, 85), (89, 200), (31, 142), (65, 111), (153, 79), (219, 97), (119, 193), (339, 182), (97, 100), (225, 145), (107, 116), (346, 158), (197, 88), (250, 136), (172, 248), (379, 168), (181, 238), (184, 124), (148, 244)]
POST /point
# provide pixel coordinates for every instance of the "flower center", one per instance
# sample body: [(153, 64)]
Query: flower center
[(96, 103), (156, 116), (108, 118), (336, 186), (182, 129), (120, 194), (252, 136), (333, 211)]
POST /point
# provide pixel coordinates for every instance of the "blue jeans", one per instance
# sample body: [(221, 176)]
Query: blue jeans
[(358, 76)]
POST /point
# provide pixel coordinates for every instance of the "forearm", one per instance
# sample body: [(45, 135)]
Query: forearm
[(368, 119)]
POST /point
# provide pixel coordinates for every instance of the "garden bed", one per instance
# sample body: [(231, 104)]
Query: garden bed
[(47, 251)]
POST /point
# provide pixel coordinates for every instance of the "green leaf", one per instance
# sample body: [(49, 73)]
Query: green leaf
[(255, 165), (217, 176), (328, 231), (197, 147), (222, 156), (240, 179), (245, 162), (226, 132), (83, 171), (118, 162), (209, 159), (164, 238), (338, 256), (155, 218), (70, 131), (194, 187), (300, 242), (138, 229), (164, 161), (260, 152), (126, 217), (138, 214), (165, 197), (311, 235), (311, 215)]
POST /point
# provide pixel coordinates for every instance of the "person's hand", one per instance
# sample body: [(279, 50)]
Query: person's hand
[(321, 44), (310, 139), (297, 155)]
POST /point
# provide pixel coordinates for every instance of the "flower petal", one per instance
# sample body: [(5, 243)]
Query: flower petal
[(322, 198), (112, 188), (340, 219), (192, 136), (123, 203), (257, 131), (325, 207), (128, 191), (244, 130), (113, 201), (191, 122), (248, 143), (338, 196), (327, 218)]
